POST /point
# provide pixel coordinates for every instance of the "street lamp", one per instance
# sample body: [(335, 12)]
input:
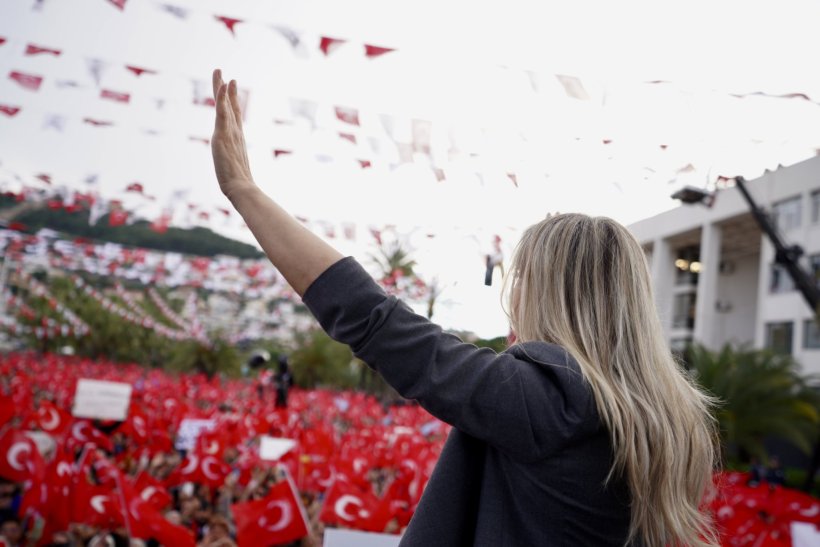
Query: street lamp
[(787, 257)]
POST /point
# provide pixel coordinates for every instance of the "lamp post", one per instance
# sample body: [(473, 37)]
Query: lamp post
[(786, 256)]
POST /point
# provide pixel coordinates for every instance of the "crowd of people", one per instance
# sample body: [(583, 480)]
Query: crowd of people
[(77, 481)]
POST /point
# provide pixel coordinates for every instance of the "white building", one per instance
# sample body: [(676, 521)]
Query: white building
[(714, 273)]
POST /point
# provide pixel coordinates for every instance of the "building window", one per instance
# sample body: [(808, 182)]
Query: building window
[(811, 334), (779, 337), (815, 207), (814, 268), (683, 315), (786, 214), (687, 265), (780, 280)]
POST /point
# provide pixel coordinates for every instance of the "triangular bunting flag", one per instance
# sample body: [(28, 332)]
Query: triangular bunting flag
[(31, 82), (329, 45), (139, 71), (9, 110), (229, 22), (31, 49), (376, 51)]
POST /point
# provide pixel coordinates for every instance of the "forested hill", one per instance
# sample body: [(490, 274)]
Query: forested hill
[(194, 241)]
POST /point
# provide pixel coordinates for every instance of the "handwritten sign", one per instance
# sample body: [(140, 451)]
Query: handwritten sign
[(337, 537), (273, 448), (99, 399), (189, 431)]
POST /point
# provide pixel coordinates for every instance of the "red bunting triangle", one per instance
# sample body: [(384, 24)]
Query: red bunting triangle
[(139, 71), (375, 51), (513, 178), (348, 137), (43, 177), (119, 3), (278, 152), (115, 96), (229, 22), (328, 45), (2, 40), (31, 49), (203, 140), (364, 164), (9, 110), (31, 82)]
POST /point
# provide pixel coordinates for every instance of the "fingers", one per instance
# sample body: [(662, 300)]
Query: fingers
[(217, 81), (223, 113), (234, 100)]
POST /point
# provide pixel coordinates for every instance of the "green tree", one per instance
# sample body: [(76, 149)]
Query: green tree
[(763, 395), (217, 358), (321, 361)]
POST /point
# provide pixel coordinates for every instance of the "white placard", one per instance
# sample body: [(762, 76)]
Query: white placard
[(273, 448), (338, 537), (101, 400), (189, 431), (805, 534)]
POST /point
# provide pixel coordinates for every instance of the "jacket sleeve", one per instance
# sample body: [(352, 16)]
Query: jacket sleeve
[(527, 410)]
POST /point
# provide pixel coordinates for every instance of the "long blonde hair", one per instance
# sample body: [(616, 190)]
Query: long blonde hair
[(583, 283)]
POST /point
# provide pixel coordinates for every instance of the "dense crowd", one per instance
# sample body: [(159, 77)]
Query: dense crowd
[(356, 462)]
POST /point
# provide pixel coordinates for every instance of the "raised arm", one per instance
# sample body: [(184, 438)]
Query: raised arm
[(298, 254)]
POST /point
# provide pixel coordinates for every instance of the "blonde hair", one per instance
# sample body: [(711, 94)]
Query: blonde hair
[(583, 283)]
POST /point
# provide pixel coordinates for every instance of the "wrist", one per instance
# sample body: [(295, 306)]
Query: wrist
[(237, 190)]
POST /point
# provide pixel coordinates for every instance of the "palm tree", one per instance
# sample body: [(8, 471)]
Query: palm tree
[(762, 395)]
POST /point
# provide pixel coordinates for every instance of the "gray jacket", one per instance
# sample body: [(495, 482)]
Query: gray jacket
[(526, 461)]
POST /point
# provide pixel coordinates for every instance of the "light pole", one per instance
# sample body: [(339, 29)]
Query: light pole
[(786, 256)]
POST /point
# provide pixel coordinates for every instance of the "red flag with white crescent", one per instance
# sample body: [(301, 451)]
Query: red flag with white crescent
[(277, 519), (51, 418), (19, 458)]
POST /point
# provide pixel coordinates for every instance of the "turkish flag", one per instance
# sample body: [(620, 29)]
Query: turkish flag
[(115, 96), (9, 110), (95, 504), (139, 71), (229, 22), (328, 45), (279, 518), (31, 49), (82, 433), (375, 51), (152, 491), (51, 418), (348, 505), (31, 82), (19, 458), (60, 477)]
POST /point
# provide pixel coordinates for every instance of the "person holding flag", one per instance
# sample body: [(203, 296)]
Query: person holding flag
[(584, 432)]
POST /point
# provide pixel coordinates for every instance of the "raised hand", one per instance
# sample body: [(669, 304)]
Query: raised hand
[(230, 154)]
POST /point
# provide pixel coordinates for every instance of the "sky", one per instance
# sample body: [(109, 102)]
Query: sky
[(668, 99)]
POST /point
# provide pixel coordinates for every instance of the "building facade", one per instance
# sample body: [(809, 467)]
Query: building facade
[(714, 273)]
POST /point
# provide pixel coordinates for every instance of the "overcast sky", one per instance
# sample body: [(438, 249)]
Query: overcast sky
[(484, 74)]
